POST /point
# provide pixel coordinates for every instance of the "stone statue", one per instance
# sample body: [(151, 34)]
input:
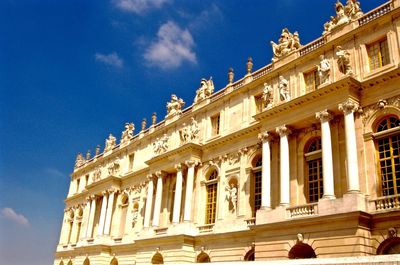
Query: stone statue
[(194, 129), (287, 43), (96, 174), (127, 134), (232, 195), (324, 69), (79, 160), (190, 132), (110, 143), (161, 145), (343, 59), (205, 91), (267, 97), (135, 215), (344, 15), (174, 107), (113, 168), (184, 134), (284, 89)]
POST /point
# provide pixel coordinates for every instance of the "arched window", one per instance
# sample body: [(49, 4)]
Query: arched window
[(203, 258), (257, 184), (387, 141), (114, 261), (389, 246), (313, 158), (250, 255), (211, 204), (70, 224), (86, 262), (69, 262), (157, 259), (123, 212), (79, 223), (302, 251)]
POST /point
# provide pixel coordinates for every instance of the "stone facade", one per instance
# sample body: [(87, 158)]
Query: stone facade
[(287, 162)]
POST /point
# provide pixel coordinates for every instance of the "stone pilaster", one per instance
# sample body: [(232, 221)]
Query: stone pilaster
[(284, 132)]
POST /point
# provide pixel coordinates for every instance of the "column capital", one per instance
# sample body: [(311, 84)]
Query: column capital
[(160, 174), (283, 131), (191, 163), (105, 193), (178, 167), (324, 115), (264, 137), (150, 177), (349, 106), (92, 197)]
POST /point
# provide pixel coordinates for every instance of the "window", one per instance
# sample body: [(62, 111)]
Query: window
[(157, 259), (215, 121), (257, 184), (211, 206), (86, 180), (311, 80), (78, 182), (250, 255), (302, 251), (203, 258), (387, 140), (378, 54), (131, 159), (313, 158), (259, 103)]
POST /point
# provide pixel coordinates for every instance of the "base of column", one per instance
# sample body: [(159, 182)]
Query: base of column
[(265, 208), (353, 192), (328, 197), (284, 204)]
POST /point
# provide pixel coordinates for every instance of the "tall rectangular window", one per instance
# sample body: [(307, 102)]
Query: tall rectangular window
[(311, 80), (259, 103), (131, 159), (78, 182), (378, 54), (215, 124)]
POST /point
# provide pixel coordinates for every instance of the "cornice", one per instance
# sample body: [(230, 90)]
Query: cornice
[(192, 149)]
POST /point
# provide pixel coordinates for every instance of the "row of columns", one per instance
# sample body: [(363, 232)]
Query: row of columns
[(348, 108), (177, 199)]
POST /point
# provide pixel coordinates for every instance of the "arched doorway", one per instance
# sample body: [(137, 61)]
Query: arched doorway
[(250, 255), (157, 259), (86, 262), (114, 261), (302, 251), (203, 258), (389, 246)]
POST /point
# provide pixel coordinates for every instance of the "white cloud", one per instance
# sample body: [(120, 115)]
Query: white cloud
[(10, 214), (211, 15), (172, 47), (138, 6), (110, 59)]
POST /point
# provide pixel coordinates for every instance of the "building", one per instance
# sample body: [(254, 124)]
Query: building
[(299, 159)]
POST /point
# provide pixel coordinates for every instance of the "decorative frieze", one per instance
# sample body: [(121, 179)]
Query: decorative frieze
[(161, 145), (366, 112), (189, 133), (113, 168)]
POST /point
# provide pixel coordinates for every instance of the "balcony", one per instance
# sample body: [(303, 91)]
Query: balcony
[(306, 210), (386, 203)]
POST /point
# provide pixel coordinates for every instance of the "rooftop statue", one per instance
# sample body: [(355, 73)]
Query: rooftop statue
[(287, 43), (79, 160), (174, 107), (205, 91), (344, 14), (127, 134), (110, 143)]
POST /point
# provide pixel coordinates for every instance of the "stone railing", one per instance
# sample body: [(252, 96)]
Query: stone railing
[(387, 203), (206, 228), (217, 95), (375, 13), (250, 221), (238, 84), (312, 46), (302, 210), (263, 71)]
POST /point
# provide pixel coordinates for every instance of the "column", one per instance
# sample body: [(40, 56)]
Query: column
[(348, 108), (85, 219), (100, 229), (178, 195), (110, 206), (284, 132), (189, 191), (266, 171), (149, 201), (157, 203), (89, 230), (63, 228), (327, 162)]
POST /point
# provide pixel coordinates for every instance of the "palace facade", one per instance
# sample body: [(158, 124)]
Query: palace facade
[(298, 159)]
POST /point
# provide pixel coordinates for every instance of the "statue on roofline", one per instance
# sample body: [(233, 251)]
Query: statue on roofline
[(205, 91), (287, 43), (174, 107)]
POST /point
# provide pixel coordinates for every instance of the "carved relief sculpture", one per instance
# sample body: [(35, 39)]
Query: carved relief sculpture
[(189, 133), (174, 107), (161, 145), (343, 60), (127, 134), (344, 15), (110, 143), (96, 174), (267, 97), (184, 134), (79, 160), (232, 195), (284, 89), (287, 43), (324, 69), (113, 169), (205, 91)]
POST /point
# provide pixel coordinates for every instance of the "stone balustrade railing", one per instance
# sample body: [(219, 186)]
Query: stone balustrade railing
[(375, 13), (302, 210), (250, 221), (312, 46), (206, 228), (387, 203), (161, 230), (263, 71)]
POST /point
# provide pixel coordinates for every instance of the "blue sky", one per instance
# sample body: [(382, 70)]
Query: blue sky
[(73, 71)]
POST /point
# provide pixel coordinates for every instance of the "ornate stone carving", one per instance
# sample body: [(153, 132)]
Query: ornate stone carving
[(205, 91), (113, 168), (264, 137), (349, 106), (381, 104), (154, 118), (161, 145), (110, 143), (96, 174), (231, 196), (234, 158), (174, 107), (190, 132), (79, 161), (324, 70), (284, 89), (343, 60), (392, 232), (97, 152), (88, 155), (287, 43), (267, 97), (324, 115), (283, 130), (135, 215), (231, 75), (344, 14), (249, 65), (127, 134)]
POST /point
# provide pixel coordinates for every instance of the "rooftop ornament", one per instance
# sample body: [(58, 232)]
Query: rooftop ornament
[(127, 134), (174, 107), (287, 44), (110, 143), (344, 14), (205, 91)]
